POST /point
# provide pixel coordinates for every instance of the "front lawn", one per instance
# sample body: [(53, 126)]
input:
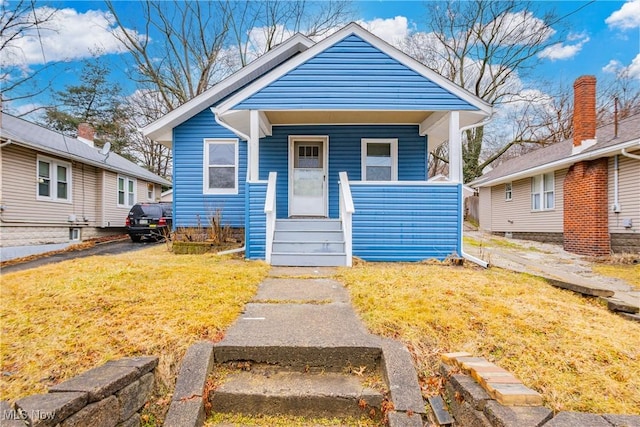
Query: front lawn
[(569, 348), (62, 319)]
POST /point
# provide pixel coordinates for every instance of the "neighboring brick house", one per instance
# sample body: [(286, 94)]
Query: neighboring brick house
[(56, 189), (583, 193)]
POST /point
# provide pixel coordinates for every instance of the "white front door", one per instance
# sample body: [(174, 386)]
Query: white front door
[(308, 175)]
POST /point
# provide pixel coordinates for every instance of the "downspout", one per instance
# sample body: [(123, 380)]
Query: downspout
[(227, 126), (7, 142), (465, 255), (616, 168), (629, 155)]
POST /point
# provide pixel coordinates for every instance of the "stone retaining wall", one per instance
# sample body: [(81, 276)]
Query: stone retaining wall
[(481, 394), (110, 395)]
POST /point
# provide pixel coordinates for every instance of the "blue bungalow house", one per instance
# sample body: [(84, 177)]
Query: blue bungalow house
[(320, 152)]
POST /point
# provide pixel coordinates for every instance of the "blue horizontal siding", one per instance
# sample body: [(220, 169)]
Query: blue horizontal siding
[(352, 74), (256, 225), (344, 155), (191, 206), (406, 222)]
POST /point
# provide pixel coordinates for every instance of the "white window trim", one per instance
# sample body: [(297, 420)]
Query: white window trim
[(508, 191), (205, 166), (153, 191), (394, 156), (542, 193), (53, 180), (126, 191)]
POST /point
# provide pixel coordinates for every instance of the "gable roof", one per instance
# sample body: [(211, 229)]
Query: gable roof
[(31, 135), (160, 130), (559, 155), (353, 29)]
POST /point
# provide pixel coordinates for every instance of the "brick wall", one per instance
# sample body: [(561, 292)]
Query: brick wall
[(586, 220)]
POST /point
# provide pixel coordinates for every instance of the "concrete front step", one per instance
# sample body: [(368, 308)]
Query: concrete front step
[(314, 224), (300, 335), (269, 391), (298, 259)]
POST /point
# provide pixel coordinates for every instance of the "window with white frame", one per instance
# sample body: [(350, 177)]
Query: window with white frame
[(379, 159), (54, 180), (220, 174), (508, 191), (543, 192), (151, 191), (126, 191)]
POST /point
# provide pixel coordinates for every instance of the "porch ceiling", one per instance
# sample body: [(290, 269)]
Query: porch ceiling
[(346, 117)]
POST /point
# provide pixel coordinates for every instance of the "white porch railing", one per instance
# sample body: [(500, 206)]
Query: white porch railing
[(270, 211), (346, 211)]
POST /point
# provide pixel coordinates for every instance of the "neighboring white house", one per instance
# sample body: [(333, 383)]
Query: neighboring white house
[(583, 193), (56, 189)]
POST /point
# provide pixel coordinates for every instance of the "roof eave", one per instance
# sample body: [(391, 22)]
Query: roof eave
[(558, 164), (158, 129)]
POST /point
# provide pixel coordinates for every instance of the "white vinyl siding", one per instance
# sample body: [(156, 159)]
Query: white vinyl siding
[(53, 180), (151, 191), (379, 159), (543, 192), (126, 191), (628, 194), (485, 208), (220, 168)]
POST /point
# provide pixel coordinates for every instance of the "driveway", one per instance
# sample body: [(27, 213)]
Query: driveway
[(107, 248), (564, 269)]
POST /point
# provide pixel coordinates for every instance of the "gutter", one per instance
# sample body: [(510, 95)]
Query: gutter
[(465, 255), (7, 142), (227, 125), (629, 155)]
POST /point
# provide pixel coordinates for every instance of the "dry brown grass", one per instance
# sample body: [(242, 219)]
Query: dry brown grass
[(630, 273), (569, 348), (64, 318)]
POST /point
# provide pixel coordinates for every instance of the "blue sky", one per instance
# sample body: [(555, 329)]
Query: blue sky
[(602, 36)]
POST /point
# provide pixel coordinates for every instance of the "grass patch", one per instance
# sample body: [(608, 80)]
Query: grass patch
[(62, 319), (287, 421), (578, 355)]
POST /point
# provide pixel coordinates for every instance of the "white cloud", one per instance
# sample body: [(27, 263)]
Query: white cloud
[(559, 51), (391, 30), (518, 29), (68, 36), (627, 17), (618, 68)]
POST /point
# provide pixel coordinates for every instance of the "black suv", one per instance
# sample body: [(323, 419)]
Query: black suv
[(152, 220)]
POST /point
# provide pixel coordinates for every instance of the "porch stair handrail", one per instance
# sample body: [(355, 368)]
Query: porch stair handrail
[(346, 212), (270, 211)]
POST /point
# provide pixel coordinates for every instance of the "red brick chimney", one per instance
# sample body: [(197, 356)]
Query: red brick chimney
[(86, 133), (585, 216), (584, 110)]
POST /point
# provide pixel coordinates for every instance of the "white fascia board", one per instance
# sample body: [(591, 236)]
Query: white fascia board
[(434, 120), (163, 125), (354, 28), (558, 164)]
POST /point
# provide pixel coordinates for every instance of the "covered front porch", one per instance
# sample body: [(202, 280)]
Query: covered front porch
[(364, 192)]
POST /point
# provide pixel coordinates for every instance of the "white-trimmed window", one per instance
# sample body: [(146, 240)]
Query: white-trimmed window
[(508, 192), (151, 191), (543, 192), (126, 191), (54, 180), (379, 159), (220, 174)]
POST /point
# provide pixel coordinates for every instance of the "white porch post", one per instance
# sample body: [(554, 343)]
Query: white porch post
[(455, 148), (253, 172)]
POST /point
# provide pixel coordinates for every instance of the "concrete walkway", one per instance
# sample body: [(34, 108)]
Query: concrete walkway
[(570, 271)]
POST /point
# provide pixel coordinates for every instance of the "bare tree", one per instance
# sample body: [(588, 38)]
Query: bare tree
[(483, 46), (19, 19)]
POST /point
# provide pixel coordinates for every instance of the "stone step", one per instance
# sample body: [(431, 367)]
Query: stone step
[(267, 390), (297, 259), (309, 224)]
